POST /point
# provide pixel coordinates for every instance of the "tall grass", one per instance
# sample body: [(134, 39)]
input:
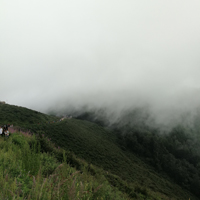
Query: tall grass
[(26, 173)]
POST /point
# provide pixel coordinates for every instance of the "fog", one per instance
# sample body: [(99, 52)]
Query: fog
[(119, 55)]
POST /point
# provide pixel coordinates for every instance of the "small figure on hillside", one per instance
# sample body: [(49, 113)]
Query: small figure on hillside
[(7, 133), (4, 130), (1, 131), (6, 127)]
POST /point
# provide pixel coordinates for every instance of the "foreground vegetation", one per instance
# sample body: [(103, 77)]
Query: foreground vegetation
[(27, 173), (35, 167)]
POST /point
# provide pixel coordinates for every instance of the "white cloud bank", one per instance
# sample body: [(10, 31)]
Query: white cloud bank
[(122, 53)]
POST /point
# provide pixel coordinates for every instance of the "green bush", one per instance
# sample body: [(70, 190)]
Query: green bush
[(48, 163), (18, 139)]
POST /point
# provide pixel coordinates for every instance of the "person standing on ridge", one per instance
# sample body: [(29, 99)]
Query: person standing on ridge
[(4, 129), (7, 134), (1, 131)]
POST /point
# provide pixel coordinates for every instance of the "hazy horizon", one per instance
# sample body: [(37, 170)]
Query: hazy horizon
[(120, 55)]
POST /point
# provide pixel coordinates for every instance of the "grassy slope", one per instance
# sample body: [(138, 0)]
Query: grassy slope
[(97, 146), (27, 173)]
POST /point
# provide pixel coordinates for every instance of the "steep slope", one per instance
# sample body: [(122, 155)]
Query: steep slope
[(99, 146)]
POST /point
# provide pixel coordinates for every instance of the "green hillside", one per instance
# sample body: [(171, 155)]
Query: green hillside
[(20, 116), (88, 145), (175, 153), (99, 146)]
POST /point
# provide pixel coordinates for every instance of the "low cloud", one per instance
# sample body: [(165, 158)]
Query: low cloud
[(69, 56)]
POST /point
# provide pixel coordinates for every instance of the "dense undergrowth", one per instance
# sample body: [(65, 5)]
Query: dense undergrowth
[(28, 172)]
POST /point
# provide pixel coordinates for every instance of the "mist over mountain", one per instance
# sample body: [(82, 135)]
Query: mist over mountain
[(74, 57), (160, 111)]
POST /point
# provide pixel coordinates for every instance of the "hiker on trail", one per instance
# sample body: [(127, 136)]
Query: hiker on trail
[(7, 133), (4, 130), (1, 131)]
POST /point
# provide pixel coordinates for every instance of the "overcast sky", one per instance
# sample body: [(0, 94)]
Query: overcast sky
[(102, 52)]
